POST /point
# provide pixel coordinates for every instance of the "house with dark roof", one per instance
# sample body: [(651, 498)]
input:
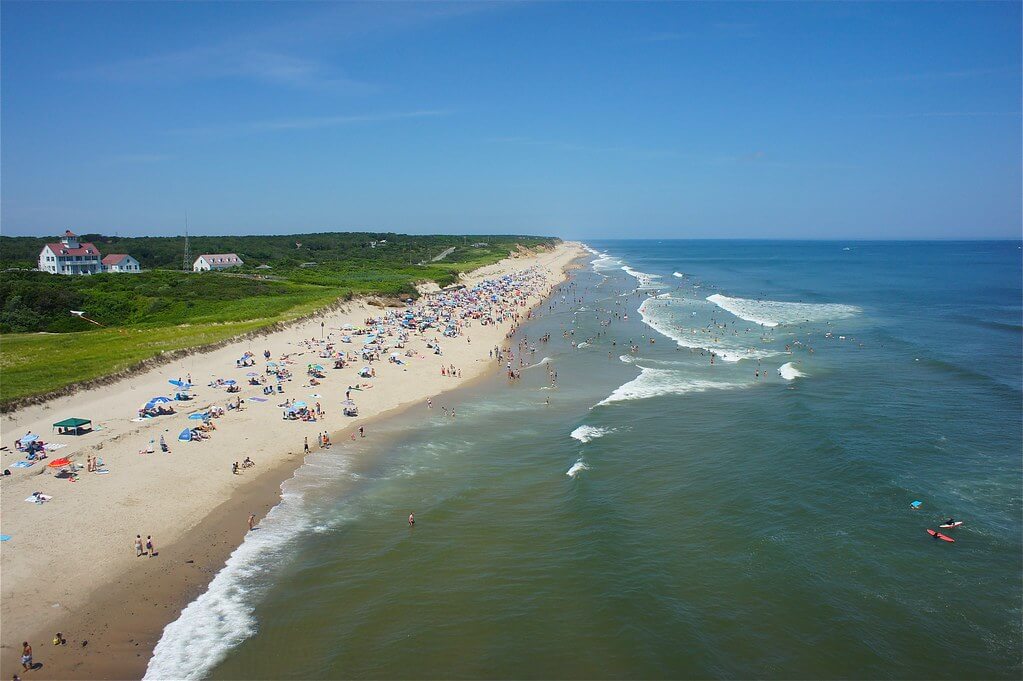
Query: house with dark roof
[(70, 256), (216, 261), (121, 262)]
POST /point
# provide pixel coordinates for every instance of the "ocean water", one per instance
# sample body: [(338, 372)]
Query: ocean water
[(666, 515)]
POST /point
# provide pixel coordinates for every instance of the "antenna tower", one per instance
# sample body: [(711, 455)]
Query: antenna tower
[(184, 258)]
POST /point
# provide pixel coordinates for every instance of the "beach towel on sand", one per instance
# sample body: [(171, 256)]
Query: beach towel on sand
[(23, 464)]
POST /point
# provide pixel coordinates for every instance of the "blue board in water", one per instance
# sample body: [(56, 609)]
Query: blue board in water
[(916, 504)]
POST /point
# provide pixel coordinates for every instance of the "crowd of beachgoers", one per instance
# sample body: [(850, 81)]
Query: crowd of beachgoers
[(221, 406)]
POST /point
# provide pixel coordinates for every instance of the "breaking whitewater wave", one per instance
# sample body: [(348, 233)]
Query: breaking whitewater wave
[(223, 616), (578, 467), (646, 281), (678, 274), (606, 262), (659, 319), (789, 372), (588, 433), (773, 312), (657, 382)]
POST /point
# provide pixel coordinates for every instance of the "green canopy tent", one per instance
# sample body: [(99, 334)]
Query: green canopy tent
[(72, 426)]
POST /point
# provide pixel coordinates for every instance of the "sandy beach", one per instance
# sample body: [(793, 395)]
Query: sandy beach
[(70, 564)]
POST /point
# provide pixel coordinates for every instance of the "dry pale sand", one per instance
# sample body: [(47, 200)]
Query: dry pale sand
[(67, 556)]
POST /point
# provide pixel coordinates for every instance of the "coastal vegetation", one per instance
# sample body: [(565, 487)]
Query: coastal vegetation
[(164, 309)]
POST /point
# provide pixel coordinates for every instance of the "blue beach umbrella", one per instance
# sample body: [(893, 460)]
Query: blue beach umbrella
[(185, 435), (184, 385), (198, 416), (230, 381)]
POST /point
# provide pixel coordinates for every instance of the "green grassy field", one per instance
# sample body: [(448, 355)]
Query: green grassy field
[(44, 348)]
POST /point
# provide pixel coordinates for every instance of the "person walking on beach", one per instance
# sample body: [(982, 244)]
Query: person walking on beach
[(252, 520), (307, 445), (138, 545), (362, 431), (26, 655), (149, 546)]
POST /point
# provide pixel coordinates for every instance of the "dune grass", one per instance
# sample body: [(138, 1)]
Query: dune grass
[(43, 348), (35, 363)]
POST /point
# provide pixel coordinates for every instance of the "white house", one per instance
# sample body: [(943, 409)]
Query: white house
[(121, 262), (69, 256), (216, 261)]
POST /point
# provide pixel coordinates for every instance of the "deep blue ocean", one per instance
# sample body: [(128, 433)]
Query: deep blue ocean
[(720, 487)]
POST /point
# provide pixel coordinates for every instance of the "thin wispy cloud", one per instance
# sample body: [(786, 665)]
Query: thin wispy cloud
[(139, 158), (583, 148), (227, 61), (311, 122), (291, 54), (939, 114), (936, 76)]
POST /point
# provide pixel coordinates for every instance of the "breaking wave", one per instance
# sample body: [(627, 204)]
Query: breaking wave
[(789, 372), (588, 433), (773, 312), (657, 382)]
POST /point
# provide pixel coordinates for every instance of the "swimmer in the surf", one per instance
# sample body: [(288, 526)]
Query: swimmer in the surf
[(411, 519)]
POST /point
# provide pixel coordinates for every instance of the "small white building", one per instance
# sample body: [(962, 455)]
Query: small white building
[(121, 262), (70, 256), (216, 261)]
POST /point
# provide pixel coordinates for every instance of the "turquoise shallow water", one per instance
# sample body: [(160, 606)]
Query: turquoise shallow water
[(720, 520)]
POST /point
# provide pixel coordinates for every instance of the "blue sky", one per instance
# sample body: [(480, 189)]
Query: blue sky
[(814, 120)]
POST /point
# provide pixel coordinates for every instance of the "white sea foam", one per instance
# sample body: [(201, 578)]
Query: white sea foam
[(577, 468), (788, 371), (222, 617), (773, 312), (657, 382), (606, 262), (646, 281), (582, 345), (545, 360), (678, 274), (656, 316), (588, 433)]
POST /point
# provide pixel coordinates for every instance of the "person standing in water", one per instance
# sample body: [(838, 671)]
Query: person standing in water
[(411, 519)]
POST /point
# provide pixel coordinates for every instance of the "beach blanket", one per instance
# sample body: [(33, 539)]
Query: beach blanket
[(38, 499), (102, 471), (257, 399), (5, 537), (56, 445), (23, 464)]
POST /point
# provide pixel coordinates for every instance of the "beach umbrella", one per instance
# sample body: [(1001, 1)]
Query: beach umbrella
[(59, 463), (31, 437), (230, 381), (317, 367), (348, 403), (185, 435), (271, 364), (184, 385), (198, 416), (252, 373), (298, 405), (347, 327)]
